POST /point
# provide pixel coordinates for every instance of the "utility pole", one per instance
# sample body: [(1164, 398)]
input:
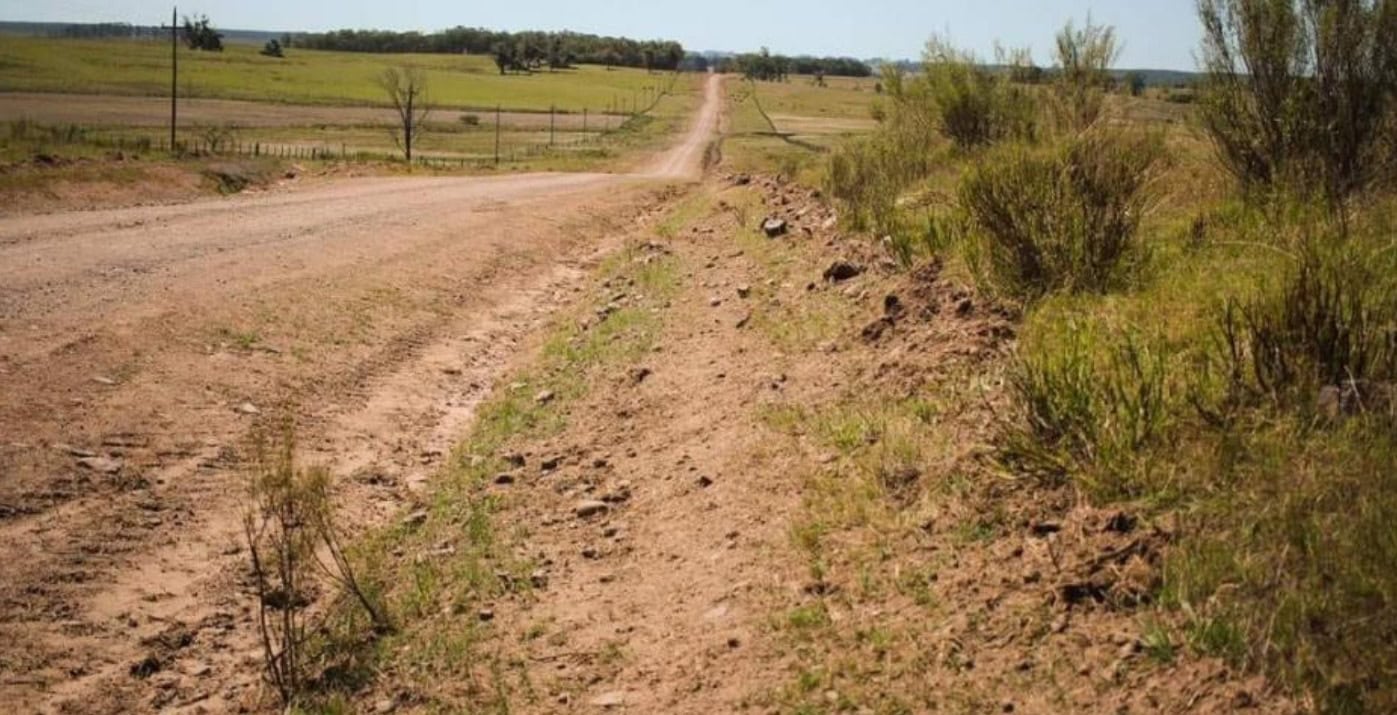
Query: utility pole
[(174, 74)]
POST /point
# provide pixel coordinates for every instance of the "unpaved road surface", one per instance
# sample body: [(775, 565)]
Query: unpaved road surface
[(139, 347)]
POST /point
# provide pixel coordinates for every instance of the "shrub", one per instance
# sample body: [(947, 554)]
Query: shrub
[(294, 547), (972, 105), (866, 178), (1086, 408), (1084, 60), (1064, 220), (1332, 325), (1299, 91)]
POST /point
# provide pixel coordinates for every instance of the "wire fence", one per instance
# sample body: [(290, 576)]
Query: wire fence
[(220, 142)]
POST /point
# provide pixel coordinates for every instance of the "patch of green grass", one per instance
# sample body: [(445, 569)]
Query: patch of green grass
[(808, 617)]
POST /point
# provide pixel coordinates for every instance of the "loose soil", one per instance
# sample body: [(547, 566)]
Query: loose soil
[(140, 346)]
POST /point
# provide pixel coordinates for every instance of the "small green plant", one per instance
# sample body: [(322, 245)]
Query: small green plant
[(1157, 644), (1087, 408), (1059, 221), (295, 548), (1327, 334)]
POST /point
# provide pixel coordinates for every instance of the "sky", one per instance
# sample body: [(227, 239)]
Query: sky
[(1157, 34)]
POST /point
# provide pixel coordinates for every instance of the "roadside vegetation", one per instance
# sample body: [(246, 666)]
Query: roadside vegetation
[(1206, 312)]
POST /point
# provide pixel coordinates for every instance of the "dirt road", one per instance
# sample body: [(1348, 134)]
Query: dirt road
[(139, 346)]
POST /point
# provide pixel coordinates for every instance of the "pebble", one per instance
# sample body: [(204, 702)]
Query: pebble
[(248, 408), (102, 465), (544, 397), (590, 508), (612, 699)]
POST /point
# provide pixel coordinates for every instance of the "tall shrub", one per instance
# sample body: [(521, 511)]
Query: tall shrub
[(1063, 220), (1300, 93)]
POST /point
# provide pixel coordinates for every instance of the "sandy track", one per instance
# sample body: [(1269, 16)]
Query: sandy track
[(139, 346)]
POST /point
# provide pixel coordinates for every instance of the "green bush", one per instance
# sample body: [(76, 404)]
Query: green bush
[(1087, 407), (1289, 560), (1063, 220), (971, 105), (1332, 324), (1084, 59)]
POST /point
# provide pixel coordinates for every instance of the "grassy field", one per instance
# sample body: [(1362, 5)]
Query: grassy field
[(791, 125), (304, 77), (1152, 387)]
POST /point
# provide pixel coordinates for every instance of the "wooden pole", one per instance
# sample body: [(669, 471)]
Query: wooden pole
[(174, 72), (497, 135)]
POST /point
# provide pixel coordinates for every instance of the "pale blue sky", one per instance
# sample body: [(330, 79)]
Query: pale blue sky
[(1159, 34)]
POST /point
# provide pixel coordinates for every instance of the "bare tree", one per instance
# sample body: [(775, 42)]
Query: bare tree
[(407, 90)]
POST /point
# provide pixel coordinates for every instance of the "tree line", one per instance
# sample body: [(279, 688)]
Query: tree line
[(512, 50), (765, 66)]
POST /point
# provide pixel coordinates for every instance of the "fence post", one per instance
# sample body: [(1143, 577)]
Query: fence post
[(584, 122), (551, 110), (497, 135)]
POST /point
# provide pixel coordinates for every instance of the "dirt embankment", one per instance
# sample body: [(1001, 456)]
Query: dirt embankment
[(782, 504)]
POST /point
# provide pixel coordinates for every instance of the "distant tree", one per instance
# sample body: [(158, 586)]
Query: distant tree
[(611, 57), (406, 88), (648, 58), (1137, 83), (556, 54), (673, 55), (286, 40), (503, 53), (273, 49), (200, 35)]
